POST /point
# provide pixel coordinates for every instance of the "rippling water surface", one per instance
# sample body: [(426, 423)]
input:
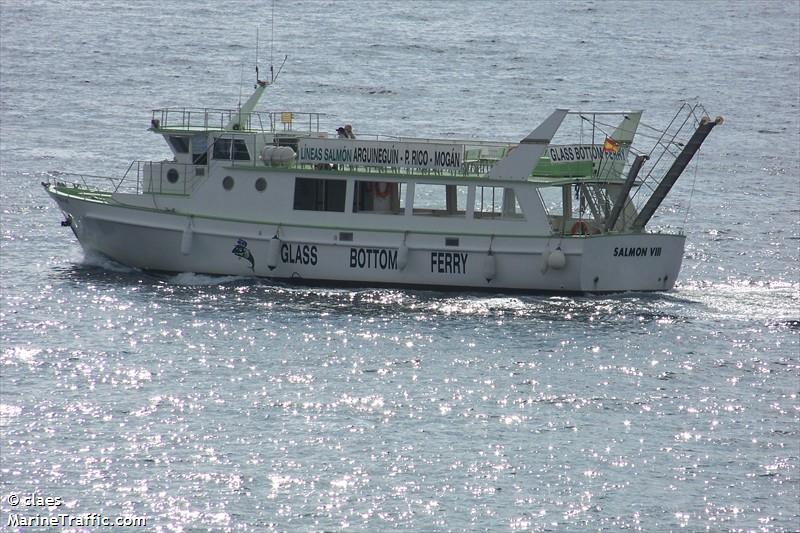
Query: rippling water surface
[(238, 404)]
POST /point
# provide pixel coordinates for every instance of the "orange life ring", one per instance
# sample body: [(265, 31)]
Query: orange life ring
[(386, 192), (580, 227)]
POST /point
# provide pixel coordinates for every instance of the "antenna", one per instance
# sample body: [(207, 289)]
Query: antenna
[(281, 67), (257, 56), (272, 41), (241, 82)]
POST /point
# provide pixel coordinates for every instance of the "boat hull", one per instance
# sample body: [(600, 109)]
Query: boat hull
[(172, 242)]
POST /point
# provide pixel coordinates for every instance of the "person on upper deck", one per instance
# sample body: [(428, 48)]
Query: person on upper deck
[(340, 133), (348, 130)]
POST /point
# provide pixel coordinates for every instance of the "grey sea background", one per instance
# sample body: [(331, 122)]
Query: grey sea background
[(237, 404)]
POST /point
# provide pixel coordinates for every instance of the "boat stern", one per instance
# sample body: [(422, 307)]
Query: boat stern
[(631, 262)]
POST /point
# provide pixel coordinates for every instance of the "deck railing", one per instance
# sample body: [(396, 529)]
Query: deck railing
[(142, 177), (91, 182), (204, 119), (473, 168)]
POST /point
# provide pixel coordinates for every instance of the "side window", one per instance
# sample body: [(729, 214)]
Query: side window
[(379, 197), (497, 202), (199, 147), (312, 194), (440, 200), (179, 144), (240, 152), (222, 148), (231, 149)]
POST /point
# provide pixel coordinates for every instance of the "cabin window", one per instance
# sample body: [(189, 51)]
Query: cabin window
[(261, 184), (291, 142), (222, 149), (497, 202), (552, 198), (233, 149), (180, 145), (199, 149), (379, 197), (172, 175), (440, 200), (240, 151), (227, 183), (312, 194)]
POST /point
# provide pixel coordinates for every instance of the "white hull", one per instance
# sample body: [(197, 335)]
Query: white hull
[(163, 241), (271, 195)]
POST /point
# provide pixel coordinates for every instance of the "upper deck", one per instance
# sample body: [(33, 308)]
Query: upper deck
[(195, 120), (245, 135)]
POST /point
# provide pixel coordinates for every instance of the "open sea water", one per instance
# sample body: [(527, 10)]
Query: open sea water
[(236, 404)]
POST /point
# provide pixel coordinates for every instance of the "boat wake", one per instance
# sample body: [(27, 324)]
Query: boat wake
[(95, 259), (193, 279), (99, 261), (771, 303), (590, 309)]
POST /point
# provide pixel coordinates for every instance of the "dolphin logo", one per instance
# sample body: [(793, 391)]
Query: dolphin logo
[(241, 251)]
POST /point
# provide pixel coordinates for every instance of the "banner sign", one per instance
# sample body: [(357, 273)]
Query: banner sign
[(430, 156), (572, 153)]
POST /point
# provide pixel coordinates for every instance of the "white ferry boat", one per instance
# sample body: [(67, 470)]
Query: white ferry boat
[(272, 194)]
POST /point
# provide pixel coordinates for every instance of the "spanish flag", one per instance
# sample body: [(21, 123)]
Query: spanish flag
[(611, 146)]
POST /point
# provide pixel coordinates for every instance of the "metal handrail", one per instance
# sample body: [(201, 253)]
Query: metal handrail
[(85, 181), (206, 119)]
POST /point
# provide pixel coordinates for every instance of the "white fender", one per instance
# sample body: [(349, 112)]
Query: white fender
[(402, 256), (556, 259), (273, 252), (489, 267), (186, 238)]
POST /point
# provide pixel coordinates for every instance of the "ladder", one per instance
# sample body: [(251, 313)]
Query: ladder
[(674, 172)]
